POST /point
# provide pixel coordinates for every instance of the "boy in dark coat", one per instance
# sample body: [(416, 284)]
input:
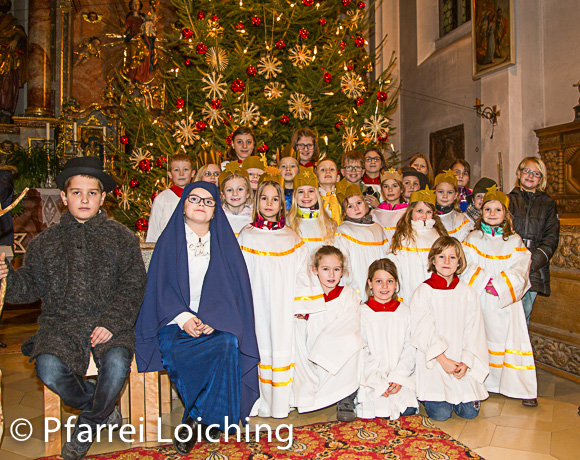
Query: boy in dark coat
[(90, 275)]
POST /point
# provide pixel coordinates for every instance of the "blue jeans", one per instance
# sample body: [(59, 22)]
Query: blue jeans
[(96, 403), (528, 301), (442, 410)]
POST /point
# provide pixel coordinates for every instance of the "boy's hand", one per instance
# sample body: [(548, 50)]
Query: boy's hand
[(372, 201), (207, 330), (100, 335), (3, 266), (460, 371), (192, 326), (447, 364), (393, 389)]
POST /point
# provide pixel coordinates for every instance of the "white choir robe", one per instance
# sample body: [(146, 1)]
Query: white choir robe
[(457, 224), (311, 235), (329, 359), (450, 322), (161, 211), (388, 220), (389, 357), (278, 265), (412, 259), (362, 244), (511, 360), (237, 222)]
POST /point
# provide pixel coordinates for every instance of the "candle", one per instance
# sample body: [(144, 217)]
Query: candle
[(75, 131), (47, 131), (104, 133)]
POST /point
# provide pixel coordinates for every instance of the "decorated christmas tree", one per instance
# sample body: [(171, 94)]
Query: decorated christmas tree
[(275, 66)]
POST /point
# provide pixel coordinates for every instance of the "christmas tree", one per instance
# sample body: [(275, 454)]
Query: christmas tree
[(275, 66)]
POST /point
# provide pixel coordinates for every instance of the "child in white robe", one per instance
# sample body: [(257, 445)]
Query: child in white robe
[(388, 385), (358, 237), (327, 174), (236, 195), (448, 332), (277, 262), (498, 269), (307, 216), (329, 343), (456, 223), (416, 232), (393, 207)]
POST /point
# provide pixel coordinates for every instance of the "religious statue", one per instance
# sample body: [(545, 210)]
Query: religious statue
[(87, 48), (140, 34), (13, 50)]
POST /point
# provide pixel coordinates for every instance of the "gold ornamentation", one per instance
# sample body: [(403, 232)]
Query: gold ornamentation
[(300, 105), (185, 133), (349, 139), (375, 125), (273, 90), (250, 115), (215, 87), (217, 58), (300, 56), (270, 67), (352, 85)]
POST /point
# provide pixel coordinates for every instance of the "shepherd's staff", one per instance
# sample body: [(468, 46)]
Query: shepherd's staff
[(500, 171)]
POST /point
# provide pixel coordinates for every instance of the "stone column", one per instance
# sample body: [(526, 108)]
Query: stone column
[(39, 58)]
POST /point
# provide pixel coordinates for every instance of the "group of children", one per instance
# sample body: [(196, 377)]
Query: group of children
[(302, 290)]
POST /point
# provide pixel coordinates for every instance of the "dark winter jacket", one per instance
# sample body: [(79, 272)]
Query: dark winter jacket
[(88, 275), (536, 221)]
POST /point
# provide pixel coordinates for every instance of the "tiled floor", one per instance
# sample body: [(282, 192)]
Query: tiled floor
[(504, 430)]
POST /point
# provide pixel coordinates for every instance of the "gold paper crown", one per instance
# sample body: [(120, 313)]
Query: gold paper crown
[(253, 162), (233, 167), (392, 173), (208, 158), (344, 189), (493, 193), (287, 151), (428, 196), (446, 176), (306, 176), (272, 173)]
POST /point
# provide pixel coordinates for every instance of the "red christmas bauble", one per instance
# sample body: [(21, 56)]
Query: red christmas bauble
[(201, 125), (216, 104), (188, 62), (263, 148), (342, 45), (350, 67), (308, 2), (225, 121), (359, 41), (251, 71), (382, 137), (117, 192), (361, 5), (240, 26), (124, 140), (200, 48), (134, 183), (238, 86), (229, 140), (382, 96), (215, 18), (186, 33), (180, 103), (154, 195), (145, 165), (280, 44), (284, 120), (322, 22), (256, 21), (142, 224), (359, 101), (338, 125), (160, 162), (303, 34), (327, 77), (200, 16), (346, 2)]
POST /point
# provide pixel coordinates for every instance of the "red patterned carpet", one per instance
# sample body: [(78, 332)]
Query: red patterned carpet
[(412, 437)]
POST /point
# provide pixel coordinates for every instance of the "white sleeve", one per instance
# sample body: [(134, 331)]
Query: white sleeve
[(514, 282), (155, 222)]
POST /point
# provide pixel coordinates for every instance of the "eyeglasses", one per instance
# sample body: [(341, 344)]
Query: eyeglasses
[(372, 159), (209, 202), (529, 172), (353, 168), (305, 146), (209, 174)]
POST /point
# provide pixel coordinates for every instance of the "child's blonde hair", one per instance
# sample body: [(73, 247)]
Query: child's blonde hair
[(386, 265), (246, 184), (507, 225), (326, 225), (282, 200), (541, 166), (328, 250), (442, 243), (404, 231), (201, 171)]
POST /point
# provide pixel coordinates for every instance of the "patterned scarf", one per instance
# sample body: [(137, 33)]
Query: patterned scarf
[(260, 222)]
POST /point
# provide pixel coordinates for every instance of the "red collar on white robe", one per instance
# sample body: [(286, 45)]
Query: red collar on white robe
[(177, 190), (333, 294), (438, 282), (377, 306), (369, 180)]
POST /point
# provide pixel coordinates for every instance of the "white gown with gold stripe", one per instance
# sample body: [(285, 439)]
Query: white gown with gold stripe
[(277, 262), (450, 322), (311, 235), (457, 224), (238, 222), (388, 220), (362, 244), (511, 360), (412, 259), (329, 348)]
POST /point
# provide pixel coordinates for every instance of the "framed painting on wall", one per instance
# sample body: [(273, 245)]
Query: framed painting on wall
[(492, 36), (446, 146)]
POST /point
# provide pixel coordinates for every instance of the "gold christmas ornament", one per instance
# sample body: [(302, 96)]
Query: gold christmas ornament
[(217, 58), (270, 67), (349, 139), (352, 85), (375, 125), (185, 133), (215, 87), (273, 90), (300, 105), (300, 56), (138, 155)]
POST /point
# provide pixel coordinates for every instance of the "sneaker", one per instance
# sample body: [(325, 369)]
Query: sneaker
[(115, 419), (74, 450), (345, 410), (530, 402)]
